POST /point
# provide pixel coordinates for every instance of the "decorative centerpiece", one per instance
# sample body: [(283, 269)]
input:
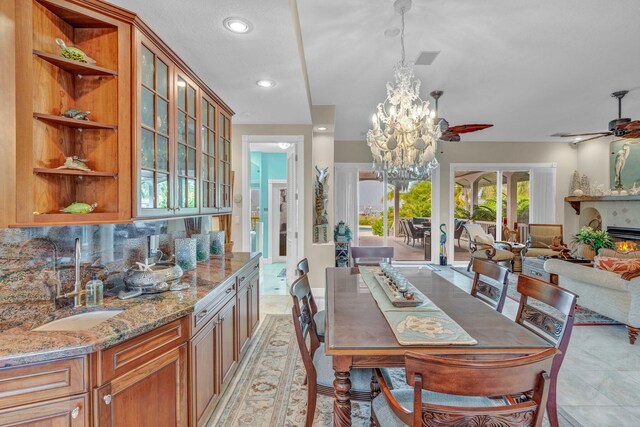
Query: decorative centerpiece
[(186, 253), (400, 291), (590, 241)]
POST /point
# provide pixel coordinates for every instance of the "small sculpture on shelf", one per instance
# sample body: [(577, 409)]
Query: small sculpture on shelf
[(342, 233), (79, 208), (73, 53), (575, 184), (76, 163), (585, 186), (74, 113)]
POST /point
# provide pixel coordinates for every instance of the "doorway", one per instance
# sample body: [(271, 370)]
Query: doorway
[(271, 218)]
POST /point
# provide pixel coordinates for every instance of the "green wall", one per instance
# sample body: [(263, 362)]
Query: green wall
[(265, 167)]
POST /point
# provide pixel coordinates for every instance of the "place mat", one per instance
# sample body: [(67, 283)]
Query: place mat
[(425, 324)]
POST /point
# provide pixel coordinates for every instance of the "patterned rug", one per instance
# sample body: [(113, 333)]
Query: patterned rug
[(267, 389), (583, 317)]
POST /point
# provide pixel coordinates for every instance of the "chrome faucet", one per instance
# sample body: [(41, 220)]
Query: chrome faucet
[(77, 284)]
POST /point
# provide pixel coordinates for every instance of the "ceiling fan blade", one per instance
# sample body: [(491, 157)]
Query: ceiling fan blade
[(468, 128), (572, 135), (632, 126), (592, 138), (632, 135)]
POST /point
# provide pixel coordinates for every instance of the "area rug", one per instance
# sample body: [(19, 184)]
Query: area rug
[(267, 390), (583, 317)]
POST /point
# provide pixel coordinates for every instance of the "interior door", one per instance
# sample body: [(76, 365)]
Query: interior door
[(292, 211)]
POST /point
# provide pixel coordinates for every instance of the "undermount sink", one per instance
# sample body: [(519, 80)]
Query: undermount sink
[(79, 322)]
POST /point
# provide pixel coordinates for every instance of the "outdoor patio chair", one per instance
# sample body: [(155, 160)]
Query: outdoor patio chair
[(415, 234), (484, 246)]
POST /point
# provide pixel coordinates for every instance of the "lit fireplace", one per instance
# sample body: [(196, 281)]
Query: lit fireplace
[(626, 246)]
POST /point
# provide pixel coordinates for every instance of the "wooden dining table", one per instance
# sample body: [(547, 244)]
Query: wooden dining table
[(358, 336)]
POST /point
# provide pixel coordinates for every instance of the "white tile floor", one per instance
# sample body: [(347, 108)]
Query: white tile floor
[(598, 385)]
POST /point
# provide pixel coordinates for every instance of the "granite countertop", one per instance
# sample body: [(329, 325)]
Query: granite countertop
[(20, 345)]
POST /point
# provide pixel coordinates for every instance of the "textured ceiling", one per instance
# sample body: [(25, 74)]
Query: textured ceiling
[(232, 63), (532, 68)]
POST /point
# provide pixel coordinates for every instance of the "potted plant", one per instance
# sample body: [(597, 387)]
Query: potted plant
[(590, 241)]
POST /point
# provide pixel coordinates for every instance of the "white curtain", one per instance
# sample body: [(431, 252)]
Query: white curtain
[(542, 206), (346, 196)]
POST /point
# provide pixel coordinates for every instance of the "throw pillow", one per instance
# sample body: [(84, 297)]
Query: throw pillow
[(612, 253), (545, 240), (617, 265)]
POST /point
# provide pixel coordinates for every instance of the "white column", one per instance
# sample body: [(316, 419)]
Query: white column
[(498, 205), (396, 212), (385, 214)]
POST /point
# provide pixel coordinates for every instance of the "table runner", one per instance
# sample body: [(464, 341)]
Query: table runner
[(425, 324)]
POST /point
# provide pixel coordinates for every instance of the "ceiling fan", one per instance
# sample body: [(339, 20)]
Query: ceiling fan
[(620, 127), (452, 133)]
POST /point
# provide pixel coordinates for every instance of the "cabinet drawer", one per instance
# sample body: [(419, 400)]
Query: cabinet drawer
[(205, 312), (536, 273), (246, 273), (133, 353), (42, 381), (70, 411)]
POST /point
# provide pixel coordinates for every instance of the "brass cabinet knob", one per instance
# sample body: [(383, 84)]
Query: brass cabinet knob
[(75, 412)]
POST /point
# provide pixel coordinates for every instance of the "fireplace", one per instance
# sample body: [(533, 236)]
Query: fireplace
[(626, 239)]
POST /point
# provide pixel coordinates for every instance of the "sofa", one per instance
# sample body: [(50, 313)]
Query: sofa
[(610, 294)]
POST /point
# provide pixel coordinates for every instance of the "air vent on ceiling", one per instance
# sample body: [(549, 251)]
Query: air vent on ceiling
[(426, 58)]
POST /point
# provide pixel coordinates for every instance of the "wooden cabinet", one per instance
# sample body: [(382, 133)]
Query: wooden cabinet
[(182, 155), (205, 372), (69, 411), (48, 85), (248, 307), (254, 286), (153, 395), (228, 324)]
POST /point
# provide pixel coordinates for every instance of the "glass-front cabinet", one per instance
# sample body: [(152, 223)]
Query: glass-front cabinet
[(155, 171), (209, 193), (187, 199), (225, 163), (182, 155)]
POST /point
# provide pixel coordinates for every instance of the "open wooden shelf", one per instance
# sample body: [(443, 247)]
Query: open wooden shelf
[(575, 201), (74, 172), (75, 67), (73, 123)]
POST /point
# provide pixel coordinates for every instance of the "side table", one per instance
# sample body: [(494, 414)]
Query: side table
[(517, 249)]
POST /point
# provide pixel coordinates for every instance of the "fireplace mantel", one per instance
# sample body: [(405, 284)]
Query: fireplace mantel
[(575, 202)]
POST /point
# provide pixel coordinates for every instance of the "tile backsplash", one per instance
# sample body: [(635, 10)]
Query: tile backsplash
[(34, 261)]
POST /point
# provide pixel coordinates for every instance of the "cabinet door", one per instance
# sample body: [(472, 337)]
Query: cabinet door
[(209, 166), (154, 140), (70, 411), (254, 289), (228, 339), (205, 387), (152, 395), (244, 317), (224, 155), (187, 146)]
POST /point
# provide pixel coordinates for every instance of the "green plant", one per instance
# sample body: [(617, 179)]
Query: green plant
[(484, 213), (597, 239), (378, 225)]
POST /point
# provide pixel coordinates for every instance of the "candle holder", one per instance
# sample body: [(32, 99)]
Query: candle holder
[(203, 246), (135, 250), (217, 242), (186, 253)]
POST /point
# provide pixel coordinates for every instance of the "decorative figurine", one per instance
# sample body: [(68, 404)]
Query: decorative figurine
[(74, 113), (342, 233), (443, 244), (73, 53), (75, 162), (79, 208), (320, 234)]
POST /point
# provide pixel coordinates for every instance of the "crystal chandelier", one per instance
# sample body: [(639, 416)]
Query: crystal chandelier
[(404, 136)]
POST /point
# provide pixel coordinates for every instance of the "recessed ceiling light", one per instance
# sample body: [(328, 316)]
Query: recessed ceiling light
[(283, 145), (237, 25), (266, 83), (321, 128)]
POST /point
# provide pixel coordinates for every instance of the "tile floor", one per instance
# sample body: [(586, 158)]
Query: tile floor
[(598, 385)]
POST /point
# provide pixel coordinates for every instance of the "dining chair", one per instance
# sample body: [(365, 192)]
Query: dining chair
[(371, 255), (405, 230), (318, 316), (415, 233), (550, 327), (490, 294), (454, 392), (319, 366)]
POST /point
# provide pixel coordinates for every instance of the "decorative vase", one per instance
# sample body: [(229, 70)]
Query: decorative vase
[(217, 242), (135, 250), (203, 246), (165, 244), (586, 252), (186, 253)]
